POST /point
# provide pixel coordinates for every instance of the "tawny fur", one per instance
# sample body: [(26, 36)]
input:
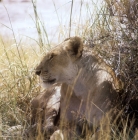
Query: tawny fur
[(89, 86)]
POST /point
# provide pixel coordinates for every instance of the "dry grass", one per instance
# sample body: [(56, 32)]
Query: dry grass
[(117, 41), (18, 83), (113, 34)]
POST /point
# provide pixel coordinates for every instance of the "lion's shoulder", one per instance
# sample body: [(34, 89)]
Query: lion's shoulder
[(93, 63)]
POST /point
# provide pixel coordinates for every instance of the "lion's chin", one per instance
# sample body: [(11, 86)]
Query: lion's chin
[(45, 85)]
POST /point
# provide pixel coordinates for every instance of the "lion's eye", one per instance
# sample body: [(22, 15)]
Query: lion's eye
[(38, 72)]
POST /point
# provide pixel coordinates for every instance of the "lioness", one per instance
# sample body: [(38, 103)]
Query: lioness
[(89, 86)]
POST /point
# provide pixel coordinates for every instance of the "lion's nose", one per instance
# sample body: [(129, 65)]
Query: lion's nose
[(38, 72)]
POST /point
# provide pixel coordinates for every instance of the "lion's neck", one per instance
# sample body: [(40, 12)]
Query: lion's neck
[(88, 79), (87, 66), (88, 63), (84, 80)]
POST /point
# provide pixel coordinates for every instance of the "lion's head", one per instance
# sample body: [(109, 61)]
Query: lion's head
[(58, 65)]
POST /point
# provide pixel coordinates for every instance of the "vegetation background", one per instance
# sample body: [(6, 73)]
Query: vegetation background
[(111, 29)]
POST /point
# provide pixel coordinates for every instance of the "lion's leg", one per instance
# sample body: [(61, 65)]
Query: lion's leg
[(45, 112), (64, 134), (57, 135)]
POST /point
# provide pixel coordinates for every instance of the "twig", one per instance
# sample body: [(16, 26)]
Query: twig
[(38, 25), (70, 18)]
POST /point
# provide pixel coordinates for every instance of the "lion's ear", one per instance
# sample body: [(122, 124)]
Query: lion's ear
[(74, 46)]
